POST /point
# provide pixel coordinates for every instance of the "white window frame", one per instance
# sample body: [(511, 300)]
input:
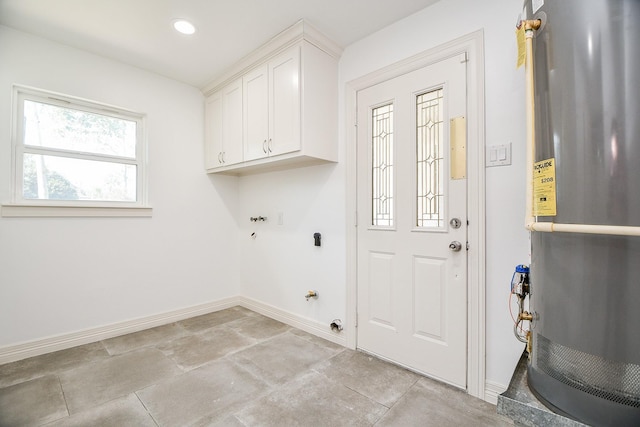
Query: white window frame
[(19, 206)]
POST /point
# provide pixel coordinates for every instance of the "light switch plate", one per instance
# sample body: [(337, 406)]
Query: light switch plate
[(498, 155)]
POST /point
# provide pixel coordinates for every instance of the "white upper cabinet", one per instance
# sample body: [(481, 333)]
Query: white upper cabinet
[(256, 113), (213, 131), (223, 131), (288, 103), (272, 107), (284, 103)]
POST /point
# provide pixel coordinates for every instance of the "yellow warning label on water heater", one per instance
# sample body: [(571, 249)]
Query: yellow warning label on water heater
[(520, 43), (544, 188)]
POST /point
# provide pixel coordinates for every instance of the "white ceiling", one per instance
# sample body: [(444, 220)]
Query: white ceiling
[(140, 32)]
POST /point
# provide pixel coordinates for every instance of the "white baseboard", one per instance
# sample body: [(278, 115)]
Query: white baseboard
[(492, 390), (308, 325), (21, 351), (61, 342)]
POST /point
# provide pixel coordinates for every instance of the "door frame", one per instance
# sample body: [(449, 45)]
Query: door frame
[(473, 45)]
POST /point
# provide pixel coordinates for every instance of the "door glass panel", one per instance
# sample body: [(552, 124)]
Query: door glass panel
[(430, 159), (382, 166)]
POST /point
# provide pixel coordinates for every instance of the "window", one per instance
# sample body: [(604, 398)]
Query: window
[(76, 154)]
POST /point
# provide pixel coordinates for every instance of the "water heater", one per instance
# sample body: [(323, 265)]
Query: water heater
[(585, 288)]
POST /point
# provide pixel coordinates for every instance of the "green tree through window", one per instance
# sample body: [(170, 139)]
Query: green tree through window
[(77, 151)]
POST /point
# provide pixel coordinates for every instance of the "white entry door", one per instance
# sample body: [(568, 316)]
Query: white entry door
[(412, 206)]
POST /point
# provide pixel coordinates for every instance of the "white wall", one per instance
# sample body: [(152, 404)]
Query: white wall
[(60, 275), (281, 263), (198, 241)]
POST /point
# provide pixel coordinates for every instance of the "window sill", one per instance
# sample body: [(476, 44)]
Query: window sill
[(11, 210)]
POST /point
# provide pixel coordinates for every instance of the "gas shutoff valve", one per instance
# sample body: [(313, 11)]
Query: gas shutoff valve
[(520, 281), (521, 289)]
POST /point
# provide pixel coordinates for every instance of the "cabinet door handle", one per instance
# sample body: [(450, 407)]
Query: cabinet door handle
[(269, 145), (223, 153), (264, 146), (220, 157)]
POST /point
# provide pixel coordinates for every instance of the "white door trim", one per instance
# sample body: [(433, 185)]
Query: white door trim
[(473, 45)]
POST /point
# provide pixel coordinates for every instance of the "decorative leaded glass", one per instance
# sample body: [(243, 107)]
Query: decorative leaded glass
[(382, 166), (430, 159)]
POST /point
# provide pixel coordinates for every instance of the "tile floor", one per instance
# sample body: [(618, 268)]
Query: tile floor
[(229, 368)]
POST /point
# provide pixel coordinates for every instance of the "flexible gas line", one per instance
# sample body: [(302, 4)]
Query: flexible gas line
[(520, 288)]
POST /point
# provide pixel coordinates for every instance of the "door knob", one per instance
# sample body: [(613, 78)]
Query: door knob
[(455, 246)]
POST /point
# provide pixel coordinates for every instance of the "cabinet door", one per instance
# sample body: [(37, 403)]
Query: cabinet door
[(232, 151), (213, 131), (284, 100), (256, 118)]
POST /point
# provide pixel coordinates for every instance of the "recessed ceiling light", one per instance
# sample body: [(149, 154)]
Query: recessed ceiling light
[(184, 27)]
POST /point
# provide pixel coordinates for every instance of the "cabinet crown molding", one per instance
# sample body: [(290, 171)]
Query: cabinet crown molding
[(300, 31)]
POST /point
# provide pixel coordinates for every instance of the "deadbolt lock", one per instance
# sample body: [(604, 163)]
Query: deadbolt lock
[(455, 223)]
